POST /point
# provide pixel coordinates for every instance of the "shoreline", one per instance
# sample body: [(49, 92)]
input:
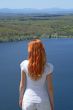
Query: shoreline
[(19, 28), (34, 37)]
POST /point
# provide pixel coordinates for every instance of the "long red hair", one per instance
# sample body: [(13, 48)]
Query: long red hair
[(36, 58)]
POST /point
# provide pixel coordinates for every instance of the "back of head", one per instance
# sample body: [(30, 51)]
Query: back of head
[(37, 59)]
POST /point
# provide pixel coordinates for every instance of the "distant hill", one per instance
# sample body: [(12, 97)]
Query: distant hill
[(31, 10)]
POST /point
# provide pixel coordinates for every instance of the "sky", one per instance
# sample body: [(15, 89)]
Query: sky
[(39, 4)]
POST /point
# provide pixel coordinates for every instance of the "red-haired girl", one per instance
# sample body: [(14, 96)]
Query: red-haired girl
[(34, 73)]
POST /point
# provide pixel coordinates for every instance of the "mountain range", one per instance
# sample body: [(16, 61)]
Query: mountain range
[(31, 10)]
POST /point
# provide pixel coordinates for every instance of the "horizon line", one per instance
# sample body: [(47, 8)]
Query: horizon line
[(38, 8)]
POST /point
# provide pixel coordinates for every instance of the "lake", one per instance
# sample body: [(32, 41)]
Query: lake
[(59, 52)]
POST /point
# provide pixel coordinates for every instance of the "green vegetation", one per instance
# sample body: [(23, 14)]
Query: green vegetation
[(20, 27)]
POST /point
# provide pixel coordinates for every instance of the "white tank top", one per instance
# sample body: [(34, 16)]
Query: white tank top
[(36, 91)]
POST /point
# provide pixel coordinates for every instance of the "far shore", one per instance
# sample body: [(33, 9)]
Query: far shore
[(22, 38), (22, 27)]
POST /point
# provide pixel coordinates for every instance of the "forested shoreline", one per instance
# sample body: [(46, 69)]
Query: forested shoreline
[(20, 27)]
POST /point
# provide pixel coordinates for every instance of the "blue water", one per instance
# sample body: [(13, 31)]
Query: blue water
[(59, 52)]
